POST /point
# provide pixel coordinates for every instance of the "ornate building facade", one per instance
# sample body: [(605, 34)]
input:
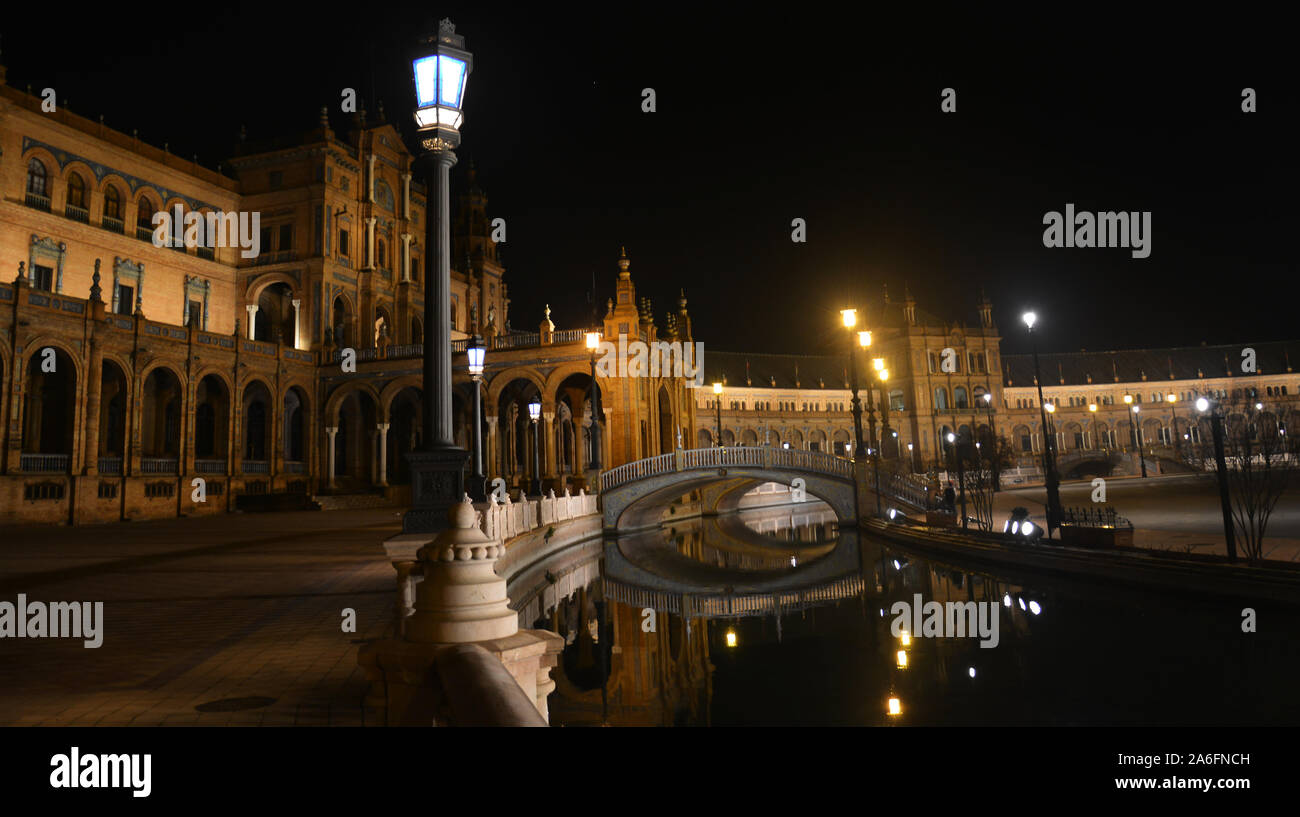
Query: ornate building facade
[(132, 371), (940, 373)]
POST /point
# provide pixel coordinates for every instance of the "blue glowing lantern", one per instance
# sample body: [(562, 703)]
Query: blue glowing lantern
[(441, 73)]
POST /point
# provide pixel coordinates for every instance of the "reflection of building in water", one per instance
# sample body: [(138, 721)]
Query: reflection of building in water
[(658, 665)]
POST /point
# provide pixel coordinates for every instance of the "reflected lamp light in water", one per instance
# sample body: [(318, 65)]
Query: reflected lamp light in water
[(895, 706), (902, 659)]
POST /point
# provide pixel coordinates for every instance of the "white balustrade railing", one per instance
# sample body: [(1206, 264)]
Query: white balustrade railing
[(506, 520), (785, 459)]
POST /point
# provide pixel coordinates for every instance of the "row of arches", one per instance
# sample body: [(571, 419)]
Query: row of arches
[(156, 420)]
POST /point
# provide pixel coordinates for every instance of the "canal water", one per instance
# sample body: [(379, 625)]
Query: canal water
[(769, 618)]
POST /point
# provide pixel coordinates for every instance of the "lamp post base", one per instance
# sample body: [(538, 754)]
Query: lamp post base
[(437, 483)]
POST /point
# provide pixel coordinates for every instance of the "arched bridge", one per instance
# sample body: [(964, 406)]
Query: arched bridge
[(633, 496)]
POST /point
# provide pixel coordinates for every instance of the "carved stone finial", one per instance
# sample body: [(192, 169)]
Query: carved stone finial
[(95, 292)]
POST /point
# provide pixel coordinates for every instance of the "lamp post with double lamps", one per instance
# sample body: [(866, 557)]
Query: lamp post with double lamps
[(440, 71)]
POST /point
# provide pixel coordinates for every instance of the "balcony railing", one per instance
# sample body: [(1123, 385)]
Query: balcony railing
[(76, 213), (45, 463), (257, 467), (144, 233), (205, 252), (159, 465), (113, 225), (110, 466), (295, 467), (210, 466), (38, 202)]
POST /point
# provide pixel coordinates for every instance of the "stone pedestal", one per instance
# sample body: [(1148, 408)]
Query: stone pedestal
[(461, 601), (437, 484)]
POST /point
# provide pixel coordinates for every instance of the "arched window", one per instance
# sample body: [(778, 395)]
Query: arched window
[(959, 397), (144, 214), (37, 179), (381, 253), (941, 398), (112, 202), (76, 190)]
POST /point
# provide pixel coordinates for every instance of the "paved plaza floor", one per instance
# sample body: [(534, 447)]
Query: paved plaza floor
[(1180, 513), (233, 619)]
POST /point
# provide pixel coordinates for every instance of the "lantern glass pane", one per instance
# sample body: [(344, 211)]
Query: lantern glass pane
[(451, 80), (426, 73)]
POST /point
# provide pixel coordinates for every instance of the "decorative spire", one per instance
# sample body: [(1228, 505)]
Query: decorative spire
[(95, 292), (623, 264)]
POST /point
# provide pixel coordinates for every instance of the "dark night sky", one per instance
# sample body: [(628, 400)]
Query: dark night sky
[(762, 118)]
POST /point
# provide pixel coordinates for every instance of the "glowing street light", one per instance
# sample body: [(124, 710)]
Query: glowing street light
[(717, 406), (895, 707), (476, 352), (1137, 434), (902, 659), (534, 414), (440, 71), (1049, 445), (850, 317), (593, 344), (731, 638), (1216, 426)]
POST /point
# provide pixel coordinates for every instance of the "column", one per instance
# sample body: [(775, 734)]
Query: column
[(406, 195), (374, 460), (297, 323), (331, 431), (370, 241), (548, 437), (406, 252), (252, 314), (94, 377), (492, 460), (383, 453), (370, 193)]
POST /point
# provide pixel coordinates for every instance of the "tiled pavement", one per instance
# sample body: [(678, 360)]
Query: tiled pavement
[(244, 606)]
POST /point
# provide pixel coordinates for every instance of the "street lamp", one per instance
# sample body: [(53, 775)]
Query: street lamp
[(593, 343), (1216, 426), (864, 341), (440, 71), (850, 319), (717, 406), (1137, 438), (476, 351), (961, 475), (1173, 413), (1092, 408), (1049, 446), (993, 431), (534, 413)]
